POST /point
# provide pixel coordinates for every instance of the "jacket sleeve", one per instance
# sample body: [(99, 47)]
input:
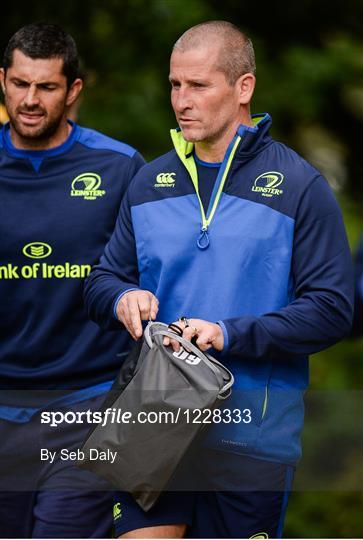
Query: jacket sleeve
[(321, 312), (116, 273), (358, 308)]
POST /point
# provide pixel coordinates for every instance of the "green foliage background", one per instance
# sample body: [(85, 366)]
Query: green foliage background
[(310, 79)]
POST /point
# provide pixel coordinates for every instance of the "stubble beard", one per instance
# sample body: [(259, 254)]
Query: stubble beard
[(206, 135), (34, 135)]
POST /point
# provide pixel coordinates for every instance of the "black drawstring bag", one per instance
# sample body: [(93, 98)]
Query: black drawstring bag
[(161, 390)]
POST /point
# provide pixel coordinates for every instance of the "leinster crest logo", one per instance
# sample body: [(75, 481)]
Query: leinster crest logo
[(268, 183), (86, 185)]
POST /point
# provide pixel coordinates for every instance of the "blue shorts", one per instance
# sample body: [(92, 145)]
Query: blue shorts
[(233, 496), (55, 514), (246, 498), (172, 508), (43, 500)]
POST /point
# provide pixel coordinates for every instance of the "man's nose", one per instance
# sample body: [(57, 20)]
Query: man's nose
[(182, 100), (31, 98)]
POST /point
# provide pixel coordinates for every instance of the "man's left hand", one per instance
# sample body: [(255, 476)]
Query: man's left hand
[(208, 334)]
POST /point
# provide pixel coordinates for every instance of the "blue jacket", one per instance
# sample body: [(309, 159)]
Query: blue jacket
[(269, 260)]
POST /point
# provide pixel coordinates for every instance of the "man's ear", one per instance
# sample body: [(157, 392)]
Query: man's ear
[(74, 91), (2, 80), (246, 86)]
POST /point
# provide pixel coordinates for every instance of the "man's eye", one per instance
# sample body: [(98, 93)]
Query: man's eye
[(20, 84)]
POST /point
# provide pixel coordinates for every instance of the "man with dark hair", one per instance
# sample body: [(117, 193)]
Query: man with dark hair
[(60, 189), (234, 227), (44, 41)]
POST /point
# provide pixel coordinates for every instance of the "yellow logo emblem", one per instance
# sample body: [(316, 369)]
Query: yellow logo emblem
[(37, 250), (117, 513), (260, 535), (267, 183), (87, 185), (43, 270)]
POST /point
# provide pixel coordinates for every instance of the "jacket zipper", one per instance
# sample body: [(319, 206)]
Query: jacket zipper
[(203, 238)]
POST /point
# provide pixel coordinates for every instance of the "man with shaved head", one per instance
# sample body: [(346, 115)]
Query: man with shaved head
[(235, 50), (240, 241)]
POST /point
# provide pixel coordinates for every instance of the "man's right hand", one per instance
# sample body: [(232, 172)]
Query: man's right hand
[(134, 307)]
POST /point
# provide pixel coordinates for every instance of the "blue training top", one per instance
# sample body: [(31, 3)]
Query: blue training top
[(58, 210)]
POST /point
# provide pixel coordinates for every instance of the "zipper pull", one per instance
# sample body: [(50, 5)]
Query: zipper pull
[(203, 239)]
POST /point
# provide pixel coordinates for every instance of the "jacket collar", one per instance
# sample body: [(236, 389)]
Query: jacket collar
[(253, 139)]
